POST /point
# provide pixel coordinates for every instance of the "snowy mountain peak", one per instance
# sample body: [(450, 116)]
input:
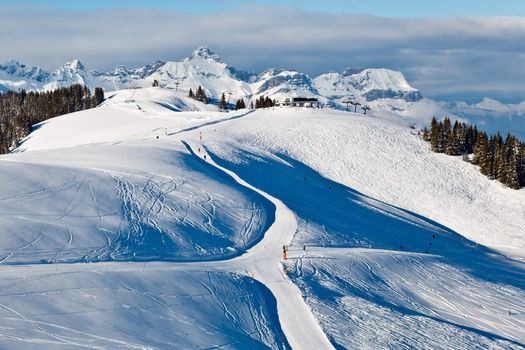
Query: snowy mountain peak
[(72, 72), (368, 84), (353, 70), (17, 70), (149, 69), (490, 104), (268, 73), (205, 53), (12, 67), (74, 65)]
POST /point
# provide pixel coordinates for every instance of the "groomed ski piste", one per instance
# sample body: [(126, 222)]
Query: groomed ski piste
[(156, 222)]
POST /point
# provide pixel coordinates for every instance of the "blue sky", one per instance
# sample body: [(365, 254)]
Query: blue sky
[(387, 8), (460, 49)]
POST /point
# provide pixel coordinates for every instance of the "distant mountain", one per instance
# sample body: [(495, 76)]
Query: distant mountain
[(370, 84), (490, 115), (387, 92), (206, 68)]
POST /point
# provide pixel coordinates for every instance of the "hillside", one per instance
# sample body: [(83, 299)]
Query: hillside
[(182, 217)]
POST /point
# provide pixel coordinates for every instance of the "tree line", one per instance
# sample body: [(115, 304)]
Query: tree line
[(19, 111), (498, 158), (264, 102), (199, 95)]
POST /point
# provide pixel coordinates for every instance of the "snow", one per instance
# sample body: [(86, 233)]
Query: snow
[(134, 306), (404, 248), (300, 326), (394, 165), (358, 85), (134, 200), (133, 113), (372, 299), (412, 282), (490, 104)]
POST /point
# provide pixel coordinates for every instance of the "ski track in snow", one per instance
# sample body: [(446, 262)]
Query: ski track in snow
[(301, 328), (313, 323)]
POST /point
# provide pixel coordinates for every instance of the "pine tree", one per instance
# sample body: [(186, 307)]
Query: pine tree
[(426, 134), (201, 95), (520, 164), (19, 111), (499, 163), (99, 96), (434, 132), (445, 135), (452, 142), (190, 94), (476, 159), (460, 135), (239, 104), (483, 156), (222, 104)]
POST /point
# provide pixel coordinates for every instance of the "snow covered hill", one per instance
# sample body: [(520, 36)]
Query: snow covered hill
[(389, 163), (132, 306), (132, 112), (390, 244)]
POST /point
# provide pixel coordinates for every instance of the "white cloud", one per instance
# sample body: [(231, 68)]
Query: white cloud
[(441, 56)]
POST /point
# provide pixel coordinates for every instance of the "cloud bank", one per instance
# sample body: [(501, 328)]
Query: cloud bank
[(444, 57)]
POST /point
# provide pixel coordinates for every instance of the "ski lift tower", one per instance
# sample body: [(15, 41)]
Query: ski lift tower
[(347, 102), (365, 108), (355, 104), (177, 83)]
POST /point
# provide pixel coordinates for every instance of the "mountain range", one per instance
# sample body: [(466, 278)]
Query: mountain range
[(386, 91)]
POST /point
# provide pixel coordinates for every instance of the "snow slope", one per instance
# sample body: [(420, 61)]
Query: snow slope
[(134, 306), (391, 164), (135, 114), (373, 299), (403, 246), (413, 282), (300, 326), (134, 200)]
